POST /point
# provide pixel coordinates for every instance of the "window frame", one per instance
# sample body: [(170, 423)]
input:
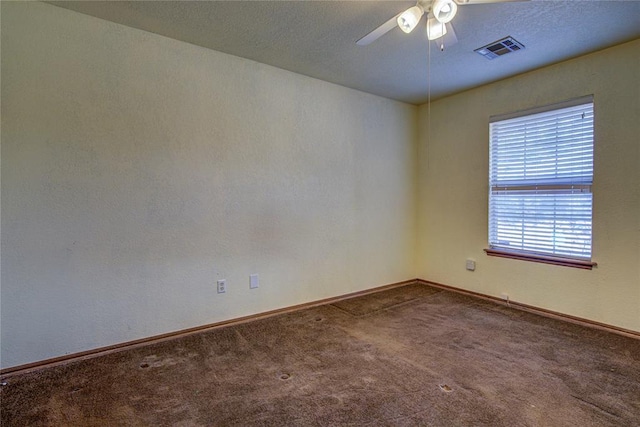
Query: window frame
[(530, 255)]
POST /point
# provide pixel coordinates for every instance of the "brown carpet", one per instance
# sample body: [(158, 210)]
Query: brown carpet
[(413, 356)]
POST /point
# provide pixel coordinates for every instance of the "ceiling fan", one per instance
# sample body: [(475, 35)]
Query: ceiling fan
[(439, 15)]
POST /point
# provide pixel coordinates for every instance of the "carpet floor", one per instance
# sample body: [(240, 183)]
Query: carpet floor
[(409, 356)]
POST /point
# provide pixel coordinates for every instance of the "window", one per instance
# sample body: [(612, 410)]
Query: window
[(540, 178)]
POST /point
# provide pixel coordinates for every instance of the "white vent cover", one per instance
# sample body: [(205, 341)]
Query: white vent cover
[(499, 48)]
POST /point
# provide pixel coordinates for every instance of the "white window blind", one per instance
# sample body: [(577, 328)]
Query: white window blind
[(540, 178)]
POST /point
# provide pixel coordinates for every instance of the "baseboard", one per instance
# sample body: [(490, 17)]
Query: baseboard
[(128, 345), (537, 310), (89, 354)]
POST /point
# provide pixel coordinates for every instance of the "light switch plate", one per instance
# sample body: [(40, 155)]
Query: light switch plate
[(253, 281)]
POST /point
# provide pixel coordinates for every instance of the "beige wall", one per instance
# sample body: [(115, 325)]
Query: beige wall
[(453, 190), (137, 170)]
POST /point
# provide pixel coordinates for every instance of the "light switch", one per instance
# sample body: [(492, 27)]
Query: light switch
[(253, 281)]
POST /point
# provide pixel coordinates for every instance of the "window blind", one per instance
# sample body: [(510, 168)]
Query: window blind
[(540, 179)]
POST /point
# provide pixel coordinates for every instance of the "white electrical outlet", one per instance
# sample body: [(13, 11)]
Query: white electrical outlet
[(471, 265), (222, 286), (253, 281)]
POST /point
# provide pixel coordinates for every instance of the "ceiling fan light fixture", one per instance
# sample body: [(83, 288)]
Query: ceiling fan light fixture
[(435, 29), (408, 20), (444, 10)]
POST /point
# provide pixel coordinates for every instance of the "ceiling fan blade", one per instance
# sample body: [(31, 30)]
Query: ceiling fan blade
[(379, 32), (463, 2)]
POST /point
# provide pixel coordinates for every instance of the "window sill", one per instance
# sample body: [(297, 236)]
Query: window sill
[(545, 259)]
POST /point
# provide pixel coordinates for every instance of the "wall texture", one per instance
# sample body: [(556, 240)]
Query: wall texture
[(137, 170), (453, 188)]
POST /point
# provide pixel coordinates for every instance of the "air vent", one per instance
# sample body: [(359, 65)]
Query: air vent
[(500, 47)]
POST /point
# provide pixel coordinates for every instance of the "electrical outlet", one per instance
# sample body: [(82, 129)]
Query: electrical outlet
[(253, 281), (222, 286), (471, 265)]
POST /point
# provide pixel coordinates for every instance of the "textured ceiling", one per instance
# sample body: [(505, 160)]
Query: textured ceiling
[(317, 38)]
